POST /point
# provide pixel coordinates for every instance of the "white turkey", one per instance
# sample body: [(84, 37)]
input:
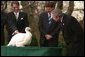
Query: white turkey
[(21, 39)]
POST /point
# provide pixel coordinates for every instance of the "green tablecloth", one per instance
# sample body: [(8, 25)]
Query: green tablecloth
[(31, 51)]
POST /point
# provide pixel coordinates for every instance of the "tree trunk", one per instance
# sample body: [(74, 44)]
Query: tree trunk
[(32, 18), (60, 5), (70, 8)]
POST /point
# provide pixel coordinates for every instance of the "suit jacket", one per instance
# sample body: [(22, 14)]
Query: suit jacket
[(73, 35), (44, 26), (19, 23), (3, 23), (72, 30), (6, 22)]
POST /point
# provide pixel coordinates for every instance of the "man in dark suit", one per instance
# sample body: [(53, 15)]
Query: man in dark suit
[(18, 18), (72, 32), (4, 22), (48, 36)]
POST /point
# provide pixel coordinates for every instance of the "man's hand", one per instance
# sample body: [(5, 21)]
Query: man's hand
[(15, 32), (48, 36)]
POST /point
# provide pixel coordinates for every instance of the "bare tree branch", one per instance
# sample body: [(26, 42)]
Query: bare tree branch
[(70, 8)]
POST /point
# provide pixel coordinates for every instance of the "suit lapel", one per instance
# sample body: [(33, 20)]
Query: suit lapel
[(46, 17), (19, 16), (14, 17)]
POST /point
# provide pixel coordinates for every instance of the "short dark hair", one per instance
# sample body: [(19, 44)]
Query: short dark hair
[(14, 2), (50, 4)]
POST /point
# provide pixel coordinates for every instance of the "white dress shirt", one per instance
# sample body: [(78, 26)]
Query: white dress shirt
[(17, 15)]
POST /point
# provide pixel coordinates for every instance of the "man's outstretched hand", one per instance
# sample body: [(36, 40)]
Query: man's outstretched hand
[(48, 36)]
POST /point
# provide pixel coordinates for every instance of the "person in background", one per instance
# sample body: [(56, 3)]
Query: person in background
[(18, 18), (4, 22), (48, 35)]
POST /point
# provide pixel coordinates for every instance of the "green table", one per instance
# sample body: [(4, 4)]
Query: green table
[(31, 51)]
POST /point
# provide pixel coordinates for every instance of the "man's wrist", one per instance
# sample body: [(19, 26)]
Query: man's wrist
[(15, 32)]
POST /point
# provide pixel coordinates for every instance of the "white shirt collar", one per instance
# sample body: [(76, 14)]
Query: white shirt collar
[(16, 15), (49, 14)]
